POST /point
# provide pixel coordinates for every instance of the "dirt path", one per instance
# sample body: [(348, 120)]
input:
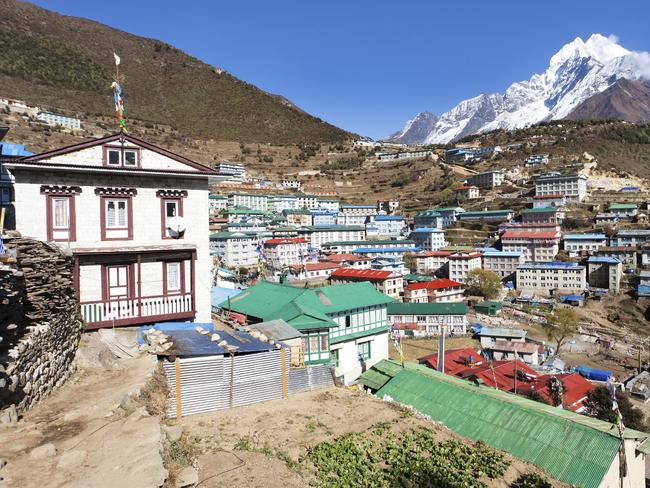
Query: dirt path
[(79, 437), (261, 444)]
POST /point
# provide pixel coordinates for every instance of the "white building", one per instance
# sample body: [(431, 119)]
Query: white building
[(605, 272), (329, 204), (217, 203), (317, 236), (575, 243), (551, 278), (234, 172), (386, 282), (550, 200), (573, 187), (468, 192), (235, 249), (135, 217), (387, 206), (53, 119), (536, 160), (432, 262), (291, 184), (427, 319), (429, 239), (403, 155), (253, 201), (285, 251), (537, 245), (488, 179), (278, 203), (503, 263), (434, 291), (388, 225), (461, 263), (307, 201)]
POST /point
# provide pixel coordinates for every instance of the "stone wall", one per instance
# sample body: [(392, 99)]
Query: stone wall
[(40, 324)]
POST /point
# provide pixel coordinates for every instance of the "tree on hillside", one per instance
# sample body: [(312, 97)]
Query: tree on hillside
[(484, 283), (561, 325), (599, 405)]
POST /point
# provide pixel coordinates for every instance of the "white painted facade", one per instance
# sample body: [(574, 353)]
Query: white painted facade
[(235, 249), (254, 201)]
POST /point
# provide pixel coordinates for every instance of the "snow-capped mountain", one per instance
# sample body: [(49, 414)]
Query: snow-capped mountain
[(575, 73), (416, 130)]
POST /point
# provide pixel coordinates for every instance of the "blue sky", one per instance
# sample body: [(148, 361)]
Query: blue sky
[(368, 66)]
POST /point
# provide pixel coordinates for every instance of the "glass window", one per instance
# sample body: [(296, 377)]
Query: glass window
[(61, 213), (114, 157), (116, 216), (323, 343), (173, 277), (313, 344), (363, 350), (130, 158)]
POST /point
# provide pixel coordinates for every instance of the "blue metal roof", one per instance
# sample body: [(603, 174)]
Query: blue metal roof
[(14, 149), (428, 230), (388, 217), (551, 265), (384, 250), (502, 254), (578, 237), (603, 259), (572, 298)]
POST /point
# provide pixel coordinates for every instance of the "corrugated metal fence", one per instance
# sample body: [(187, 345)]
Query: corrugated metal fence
[(212, 383)]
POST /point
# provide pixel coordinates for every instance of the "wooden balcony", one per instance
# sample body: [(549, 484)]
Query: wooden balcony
[(135, 311)]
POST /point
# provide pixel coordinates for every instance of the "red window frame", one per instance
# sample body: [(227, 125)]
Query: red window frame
[(163, 213), (72, 219), (130, 285), (181, 290), (113, 147), (129, 215)]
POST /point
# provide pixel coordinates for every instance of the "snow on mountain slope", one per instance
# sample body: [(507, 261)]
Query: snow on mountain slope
[(416, 129), (578, 71)]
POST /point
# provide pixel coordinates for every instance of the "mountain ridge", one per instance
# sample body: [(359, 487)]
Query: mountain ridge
[(627, 100), (66, 63), (578, 71)]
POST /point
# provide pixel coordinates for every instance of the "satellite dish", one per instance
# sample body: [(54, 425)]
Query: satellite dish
[(176, 227)]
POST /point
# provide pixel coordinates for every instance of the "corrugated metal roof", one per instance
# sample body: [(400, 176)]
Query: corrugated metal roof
[(442, 308), (569, 446), (277, 329), (189, 342)]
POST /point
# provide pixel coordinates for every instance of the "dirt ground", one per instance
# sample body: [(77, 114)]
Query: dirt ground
[(416, 348), (78, 437), (261, 444)]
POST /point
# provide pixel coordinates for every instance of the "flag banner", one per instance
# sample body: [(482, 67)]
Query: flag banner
[(117, 59), (118, 98)]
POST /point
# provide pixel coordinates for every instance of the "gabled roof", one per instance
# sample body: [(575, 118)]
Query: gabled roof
[(438, 284), (441, 308), (570, 447), (361, 274), (37, 158)]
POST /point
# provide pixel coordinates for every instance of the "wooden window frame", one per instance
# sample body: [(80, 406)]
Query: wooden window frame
[(54, 191), (163, 214), (129, 215), (121, 149), (131, 287), (166, 290)]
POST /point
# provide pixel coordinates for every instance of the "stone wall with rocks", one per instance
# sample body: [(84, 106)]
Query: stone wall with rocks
[(40, 323)]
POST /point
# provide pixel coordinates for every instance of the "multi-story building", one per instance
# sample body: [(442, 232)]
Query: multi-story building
[(307, 201), (283, 252), (432, 262), (317, 236), (504, 215), (323, 216), (387, 206), (291, 184), (278, 203), (329, 204), (356, 214), (434, 291), (253, 201), (623, 210), (350, 260), (468, 192), (428, 319), (604, 272), (575, 243), (631, 237), (385, 282), (234, 172), (573, 187), (403, 155), (503, 263), (488, 179), (244, 215), (626, 255), (135, 218), (551, 200), (542, 215), (348, 246), (551, 278), (235, 249), (429, 239), (53, 119), (346, 325), (428, 219), (537, 246), (298, 217), (449, 215), (536, 160), (387, 225), (217, 203), (461, 263)]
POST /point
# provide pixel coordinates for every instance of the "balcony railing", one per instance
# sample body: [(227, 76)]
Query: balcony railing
[(127, 311)]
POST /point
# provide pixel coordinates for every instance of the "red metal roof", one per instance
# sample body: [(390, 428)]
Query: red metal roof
[(285, 240), (456, 360), (339, 258), (433, 253), (362, 274), (516, 234), (433, 284), (463, 255), (548, 197), (320, 266), (575, 391)]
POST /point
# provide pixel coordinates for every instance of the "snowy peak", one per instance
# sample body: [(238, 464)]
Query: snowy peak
[(578, 71)]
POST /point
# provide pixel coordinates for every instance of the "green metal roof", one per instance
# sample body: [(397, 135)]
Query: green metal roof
[(443, 308), (228, 235), (539, 210), (304, 308), (622, 206), (571, 447), (417, 278), (244, 211), (370, 243)]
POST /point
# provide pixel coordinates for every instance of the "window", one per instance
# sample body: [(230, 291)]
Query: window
[(60, 213), (313, 344), (348, 321), (323, 343), (60, 218), (114, 157), (171, 205), (173, 278), (363, 351), (116, 214), (119, 156)]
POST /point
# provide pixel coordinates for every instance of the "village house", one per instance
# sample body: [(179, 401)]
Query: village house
[(329, 204), (604, 272), (552, 277), (573, 187), (291, 184), (537, 245), (234, 172), (504, 215), (503, 350), (278, 203), (630, 237), (244, 215), (217, 203), (434, 291), (387, 206), (386, 225), (299, 217), (449, 215), (427, 319), (623, 210), (536, 160), (432, 262), (346, 325), (305, 200), (542, 215), (283, 252), (356, 214), (323, 217), (251, 228), (252, 201), (428, 238), (349, 246), (314, 272), (491, 335), (557, 200), (54, 119), (461, 263), (468, 192), (135, 218), (235, 249), (428, 219), (349, 260), (503, 263), (576, 243), (385, 282), (488, 179), (318, 236), (626, 255)]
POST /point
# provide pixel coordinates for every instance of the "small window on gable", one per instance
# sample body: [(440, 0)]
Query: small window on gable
[(130, 158), (121, 156), (113, 157)]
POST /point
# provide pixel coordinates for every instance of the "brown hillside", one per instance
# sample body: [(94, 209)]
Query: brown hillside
[(625, 100)]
